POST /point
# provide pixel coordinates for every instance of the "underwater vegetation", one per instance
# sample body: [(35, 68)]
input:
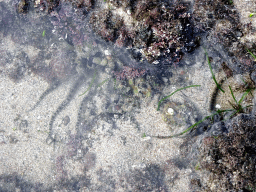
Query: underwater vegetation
[(236, 106), (59, 60), (228, 150), (160, 32)]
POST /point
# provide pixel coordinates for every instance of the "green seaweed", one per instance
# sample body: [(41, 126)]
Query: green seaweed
[(232, 94), (197, 123), (173, 93), (191, 127), (244, 95), (115, 83), (251, 14), (197, 167), (94, 76), (102, 83), (237, 109)]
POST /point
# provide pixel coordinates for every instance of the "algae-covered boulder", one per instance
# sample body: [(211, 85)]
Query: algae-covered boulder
[(229, 160), (159, 30)]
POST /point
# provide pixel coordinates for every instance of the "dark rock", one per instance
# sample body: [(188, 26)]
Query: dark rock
[(253, 76), (230, 157), (217, 129), (12, 139), (151, 178), (24, 6)]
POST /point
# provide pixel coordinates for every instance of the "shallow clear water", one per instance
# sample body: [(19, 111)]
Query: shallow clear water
[(78, 113)]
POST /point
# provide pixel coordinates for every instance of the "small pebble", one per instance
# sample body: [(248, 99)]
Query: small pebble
[(66, 120), (13, 140), (146, 138), (155, 62)]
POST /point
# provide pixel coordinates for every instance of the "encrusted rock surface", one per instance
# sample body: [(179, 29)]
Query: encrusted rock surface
[(163, 31), (160, 30), (228, 161), (228, 27)]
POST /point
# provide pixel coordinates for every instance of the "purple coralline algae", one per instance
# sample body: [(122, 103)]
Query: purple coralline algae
[(129, 73)]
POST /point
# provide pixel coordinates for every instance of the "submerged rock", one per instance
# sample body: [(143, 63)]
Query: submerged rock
[(161, 31), (228, 160), (221, 20)]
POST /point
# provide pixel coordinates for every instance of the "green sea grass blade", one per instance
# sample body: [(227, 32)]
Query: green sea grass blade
[(94, 76), (102, 83), (244, 95), (197, 123), (174, 93), (213, 76), (192, 126), (232, 94), (237, 111), (115, 83), (251, 14)]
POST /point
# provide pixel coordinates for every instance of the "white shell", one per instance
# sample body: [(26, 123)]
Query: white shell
[(170, 111), (217, 106)]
